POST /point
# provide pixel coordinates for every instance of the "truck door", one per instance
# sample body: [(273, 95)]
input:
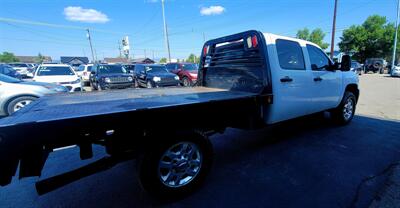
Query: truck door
[(291, 81), (326, 85)]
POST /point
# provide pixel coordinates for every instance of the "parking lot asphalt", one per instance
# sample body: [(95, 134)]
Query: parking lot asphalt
[(307, 162)]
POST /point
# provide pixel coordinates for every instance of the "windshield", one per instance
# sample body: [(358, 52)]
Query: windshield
[(156, 69), (353, 64), (54, 71), (189, 67), (5, 78), (110, 69), (19, 65)]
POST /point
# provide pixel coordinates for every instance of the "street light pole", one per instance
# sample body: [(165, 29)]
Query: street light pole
[(91, 46), (395, 34), (166, 32), (333, 30)]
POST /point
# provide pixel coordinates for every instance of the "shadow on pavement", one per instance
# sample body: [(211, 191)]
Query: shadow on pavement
[(307, 162)]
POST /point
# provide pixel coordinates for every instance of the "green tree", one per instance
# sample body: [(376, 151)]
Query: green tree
[(163, 60), (303, 34), (316, 36), (7, 57), (40, 58), (374, 38), (193, 58)]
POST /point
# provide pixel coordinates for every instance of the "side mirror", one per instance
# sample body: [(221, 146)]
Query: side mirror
[(93, 72), (345, 65)]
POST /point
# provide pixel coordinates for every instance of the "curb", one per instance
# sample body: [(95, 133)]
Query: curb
[(389, 195)]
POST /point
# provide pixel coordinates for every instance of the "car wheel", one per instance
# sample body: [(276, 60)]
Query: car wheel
[(344, 113), (148, 84), (186, 82), (92, 86), (18, 103), (136, 83), (98, 86), (177, 166)]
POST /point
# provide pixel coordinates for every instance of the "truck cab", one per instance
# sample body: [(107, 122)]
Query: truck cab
[(300, 78)]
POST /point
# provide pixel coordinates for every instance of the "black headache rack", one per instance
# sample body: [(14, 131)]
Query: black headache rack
[(237, 62)]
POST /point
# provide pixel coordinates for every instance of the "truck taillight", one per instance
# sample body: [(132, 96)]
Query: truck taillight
[(205, 50), (252, 41)]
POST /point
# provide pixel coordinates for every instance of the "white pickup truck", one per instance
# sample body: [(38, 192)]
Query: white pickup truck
[(247, 80)]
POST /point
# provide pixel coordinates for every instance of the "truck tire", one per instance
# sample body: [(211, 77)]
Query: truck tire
[(344, 113), (18, 103), (177, 166)]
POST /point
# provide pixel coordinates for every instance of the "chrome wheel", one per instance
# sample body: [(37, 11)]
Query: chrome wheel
[(21, 104), (348, 109), (180, 164)]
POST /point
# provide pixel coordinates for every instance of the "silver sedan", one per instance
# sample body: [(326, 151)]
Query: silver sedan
[(16, 94)]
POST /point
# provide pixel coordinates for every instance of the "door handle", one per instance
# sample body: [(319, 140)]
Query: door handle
[(317, 79), (286, 79)]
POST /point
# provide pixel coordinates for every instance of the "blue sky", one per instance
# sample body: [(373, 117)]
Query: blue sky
[(187, 20)]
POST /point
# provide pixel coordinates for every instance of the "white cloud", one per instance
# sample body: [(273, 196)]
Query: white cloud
[(79, 14), (212, 10)]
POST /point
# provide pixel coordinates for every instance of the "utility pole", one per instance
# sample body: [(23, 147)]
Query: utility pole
[(91, 46), (395, 35), (333, 30), (145, 55), (153, 54), (119, 49), (165, 32), (204, 37)]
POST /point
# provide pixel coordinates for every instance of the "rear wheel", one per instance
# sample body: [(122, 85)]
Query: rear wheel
[(344, 113), (18, 103), (177, 166), (186, 82)]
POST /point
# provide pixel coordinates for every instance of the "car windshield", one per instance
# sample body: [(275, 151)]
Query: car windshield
[(129, 67), (156, 69), (110, 69), (5, 78), (353, 64), (189, 67), (54, 71), (19, 65)]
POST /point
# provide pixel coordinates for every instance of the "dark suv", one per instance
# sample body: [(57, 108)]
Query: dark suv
[(110, 76), (153, 75), (375, 65)]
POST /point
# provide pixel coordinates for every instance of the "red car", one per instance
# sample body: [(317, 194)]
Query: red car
[(187, 72)]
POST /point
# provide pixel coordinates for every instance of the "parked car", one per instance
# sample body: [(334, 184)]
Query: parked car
[(9, 71), (356, 67), (154, 75), (22, 68), (16, 94), (375, 65), (395, 72), (110, 76), (187, 72), (61, 74), (83, 71)]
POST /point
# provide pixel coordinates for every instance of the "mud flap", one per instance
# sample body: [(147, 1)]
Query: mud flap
[(32, 162), (7, 170)]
